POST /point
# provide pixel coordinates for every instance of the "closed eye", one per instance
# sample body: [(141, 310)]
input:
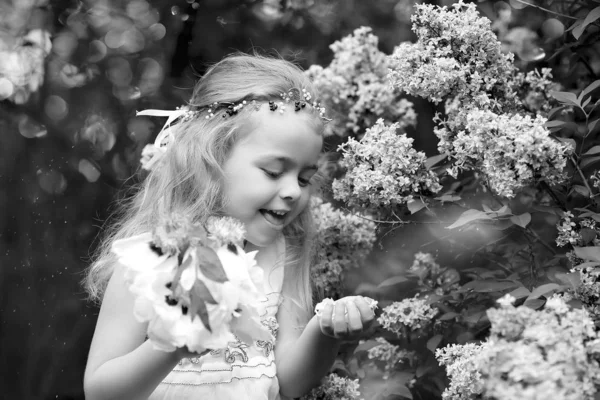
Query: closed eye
[(271, 174), (304, 182)]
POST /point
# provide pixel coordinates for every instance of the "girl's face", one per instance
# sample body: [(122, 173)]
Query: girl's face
[(269, 170)]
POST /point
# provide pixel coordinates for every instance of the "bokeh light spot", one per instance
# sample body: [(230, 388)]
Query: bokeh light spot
[(97, 51), (89, 170), (56, 107), (30, 128), (51, 181), (133, 41), (6, 88), (553, 28), (157, 31), (64, 44)]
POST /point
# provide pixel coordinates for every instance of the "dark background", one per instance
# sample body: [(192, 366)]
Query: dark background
[(67, 153)]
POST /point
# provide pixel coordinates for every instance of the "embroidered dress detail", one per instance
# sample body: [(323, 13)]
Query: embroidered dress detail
[(238, 372)]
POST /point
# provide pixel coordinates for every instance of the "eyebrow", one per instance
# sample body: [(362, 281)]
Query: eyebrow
[(288, 161)]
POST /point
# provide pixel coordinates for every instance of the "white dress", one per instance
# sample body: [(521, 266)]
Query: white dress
[(239, 372)]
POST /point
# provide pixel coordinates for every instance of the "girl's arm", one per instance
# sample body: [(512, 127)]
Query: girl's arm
[(121, 364), (304, 357)]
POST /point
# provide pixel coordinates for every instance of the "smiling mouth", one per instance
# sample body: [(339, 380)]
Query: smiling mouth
[(274, 217)]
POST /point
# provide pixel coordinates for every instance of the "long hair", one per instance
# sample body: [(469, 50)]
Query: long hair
[(189, 180)]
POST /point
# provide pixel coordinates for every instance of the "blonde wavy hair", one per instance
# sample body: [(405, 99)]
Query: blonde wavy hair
[(188, 180)]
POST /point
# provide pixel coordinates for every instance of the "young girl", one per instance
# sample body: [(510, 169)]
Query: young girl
[(247, 148)]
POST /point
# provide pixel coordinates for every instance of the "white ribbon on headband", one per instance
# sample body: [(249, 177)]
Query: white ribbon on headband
[(152, 153)]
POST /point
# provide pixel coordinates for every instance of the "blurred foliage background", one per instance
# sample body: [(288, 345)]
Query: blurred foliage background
[(72, 75)]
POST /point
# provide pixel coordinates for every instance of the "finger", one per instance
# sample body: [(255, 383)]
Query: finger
[(355, 325), (366, 312), (326, 318), (340, 327)]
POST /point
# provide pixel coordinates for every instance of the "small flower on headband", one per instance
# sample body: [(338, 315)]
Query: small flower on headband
[(152, 153)]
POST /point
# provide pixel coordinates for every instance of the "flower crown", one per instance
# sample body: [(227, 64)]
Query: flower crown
[(152, 153)]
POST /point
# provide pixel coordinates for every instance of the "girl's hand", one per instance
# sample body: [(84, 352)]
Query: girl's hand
[(346, 318)]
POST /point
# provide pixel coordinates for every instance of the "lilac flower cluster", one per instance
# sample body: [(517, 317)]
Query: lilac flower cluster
[(511, 150), (390, 354), (383, 170), (456, 55), (342, 241), (354, 87), (413, 313), (465, 379), (334, 387), (551, 353), (432, 277), (458, 58)]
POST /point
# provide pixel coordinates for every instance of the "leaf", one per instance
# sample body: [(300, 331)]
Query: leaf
[(534, 303), (366, 346), (592, 151), (488, 286), (571, 279), (554, 124), (469, 216), (396, 384), (201, 291), (522, 220), (415, 205), (520, 292), (394, 280), (592, 125), (591, 17), (198, 294), (431, 161), (210, 265), (433, 342), (448, 316), (543, 290), (448, 197), (590, 253), (565, 97), (592, 86), (587, 235), (582, 190)]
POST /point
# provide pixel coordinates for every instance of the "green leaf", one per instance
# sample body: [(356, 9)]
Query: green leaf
[(200, 291), (534, 303), (522, 220), (366, 345), (210, 265), (587, 235), (433, 342), (198, 294), (543, 290), (396, 384), (571, 280), (592, 151), (591, 17), (469, 216), (592, 86), (520, 292), (488, 286), (582, 190), (565, 97), (590, 253), (415, 205), (554, 124), (448, 316), (448, 197), (592, 125), (394, 280), (431, 161)]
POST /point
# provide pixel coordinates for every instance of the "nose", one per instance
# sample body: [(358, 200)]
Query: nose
[(290, 189)]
